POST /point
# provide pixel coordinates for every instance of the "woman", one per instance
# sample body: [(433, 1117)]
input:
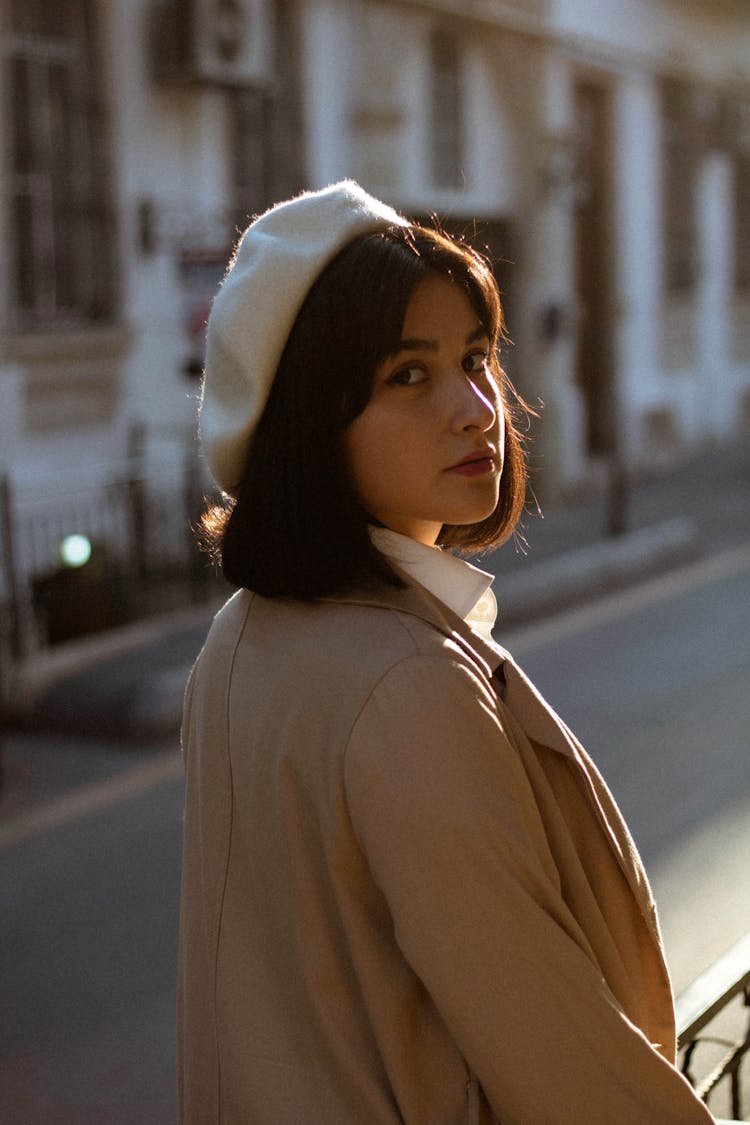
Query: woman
[(407, 894)]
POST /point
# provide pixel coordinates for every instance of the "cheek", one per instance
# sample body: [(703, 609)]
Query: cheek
[(380, 457), (364, 455)]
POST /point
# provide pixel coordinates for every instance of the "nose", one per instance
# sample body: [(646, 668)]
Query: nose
[(474, 407)]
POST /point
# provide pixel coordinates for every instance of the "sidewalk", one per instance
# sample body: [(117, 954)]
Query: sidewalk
[(129, 683)]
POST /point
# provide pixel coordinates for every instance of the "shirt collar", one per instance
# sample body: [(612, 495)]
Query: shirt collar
[(464, 588)]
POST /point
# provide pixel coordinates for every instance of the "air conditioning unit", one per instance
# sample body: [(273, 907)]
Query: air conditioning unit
[(212, 42)]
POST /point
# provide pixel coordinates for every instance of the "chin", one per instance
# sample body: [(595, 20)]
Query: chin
[(476, 514), (467, 520)]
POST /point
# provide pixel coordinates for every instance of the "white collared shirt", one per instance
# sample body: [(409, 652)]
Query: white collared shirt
[(464, 588)]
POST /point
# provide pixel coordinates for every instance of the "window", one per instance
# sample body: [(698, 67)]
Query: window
[(739, 139), (268, 158), (446, 109), (680, 154), (60, 214), (742, 220), (251, 152)]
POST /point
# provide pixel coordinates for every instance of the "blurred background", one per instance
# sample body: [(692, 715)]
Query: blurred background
[(600, 154)]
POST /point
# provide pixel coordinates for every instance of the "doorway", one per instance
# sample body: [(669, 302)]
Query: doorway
[(593, 236)]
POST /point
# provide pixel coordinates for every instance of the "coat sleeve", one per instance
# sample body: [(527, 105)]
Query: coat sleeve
[(451, 830)]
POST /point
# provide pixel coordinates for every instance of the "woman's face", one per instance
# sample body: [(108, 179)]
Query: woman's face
[(428, 447)]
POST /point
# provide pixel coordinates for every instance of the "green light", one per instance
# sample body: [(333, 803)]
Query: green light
[(75, 550)]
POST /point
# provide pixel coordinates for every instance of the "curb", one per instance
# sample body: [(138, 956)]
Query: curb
[(50, 692), (599, 568)]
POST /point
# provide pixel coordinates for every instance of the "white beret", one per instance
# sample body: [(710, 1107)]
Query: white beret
[(277, 260)]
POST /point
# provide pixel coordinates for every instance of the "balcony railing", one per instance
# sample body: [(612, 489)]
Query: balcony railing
[(709, 1001)]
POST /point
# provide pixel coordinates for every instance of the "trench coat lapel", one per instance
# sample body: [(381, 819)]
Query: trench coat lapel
[(540, 722), (543, 725), (537, 719)]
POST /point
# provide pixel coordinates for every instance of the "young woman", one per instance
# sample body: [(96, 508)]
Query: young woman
[(408, 896)]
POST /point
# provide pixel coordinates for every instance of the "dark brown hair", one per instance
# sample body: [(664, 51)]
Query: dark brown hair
[(296, 529)]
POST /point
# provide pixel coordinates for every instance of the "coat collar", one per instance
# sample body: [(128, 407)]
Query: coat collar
[(535, 715), (417, 601), (454, 581)]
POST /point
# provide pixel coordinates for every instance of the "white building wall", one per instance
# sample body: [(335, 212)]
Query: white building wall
[(171, 150), (494, 157), (712, 40), (549, 287), (328, 64), (716, 384), (366, 93), (364, 100), (664, 409), (387, 137), (630, 25), (637, 213)]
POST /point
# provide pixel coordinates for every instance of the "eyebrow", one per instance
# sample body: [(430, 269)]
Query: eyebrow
[(414, 344)]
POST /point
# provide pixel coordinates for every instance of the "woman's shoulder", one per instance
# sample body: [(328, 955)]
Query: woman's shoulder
[(359, 637)]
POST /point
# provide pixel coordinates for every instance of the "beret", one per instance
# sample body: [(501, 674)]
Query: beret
[(276, 261)]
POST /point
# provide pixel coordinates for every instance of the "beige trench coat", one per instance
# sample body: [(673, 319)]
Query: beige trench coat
[(402, 870)]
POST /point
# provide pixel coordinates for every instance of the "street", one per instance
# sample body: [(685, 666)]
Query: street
[(88, 950), (654, 680)]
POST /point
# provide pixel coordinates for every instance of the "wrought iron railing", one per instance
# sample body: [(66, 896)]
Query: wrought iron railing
[(143, 554), (706, 1002)]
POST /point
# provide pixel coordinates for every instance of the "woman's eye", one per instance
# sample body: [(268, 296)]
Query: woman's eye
[(408, 377), (476, 361)]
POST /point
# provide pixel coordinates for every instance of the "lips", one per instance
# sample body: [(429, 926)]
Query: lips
[(478, 461)]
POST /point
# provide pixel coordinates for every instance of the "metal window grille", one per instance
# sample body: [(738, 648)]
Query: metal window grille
[(252, 154), (60, 204), (446, 108), (680, 155)]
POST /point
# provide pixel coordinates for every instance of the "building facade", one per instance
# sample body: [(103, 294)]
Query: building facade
[(600, 152)]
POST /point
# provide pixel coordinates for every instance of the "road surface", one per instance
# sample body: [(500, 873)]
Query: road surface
[(655, 681)]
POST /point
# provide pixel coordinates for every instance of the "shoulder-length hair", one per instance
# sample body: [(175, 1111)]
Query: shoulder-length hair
[(296, 528)]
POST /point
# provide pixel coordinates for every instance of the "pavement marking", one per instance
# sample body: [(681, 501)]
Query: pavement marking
[(623, 602), (87, 799)]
